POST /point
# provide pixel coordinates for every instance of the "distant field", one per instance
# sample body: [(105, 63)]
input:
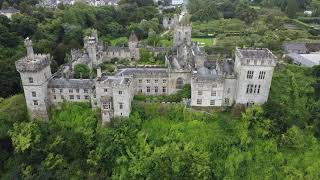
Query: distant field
[(209, 42)]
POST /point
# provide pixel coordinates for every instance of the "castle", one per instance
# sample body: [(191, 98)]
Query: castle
[(245, 80)]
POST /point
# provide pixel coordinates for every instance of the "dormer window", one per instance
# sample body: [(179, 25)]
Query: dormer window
[(30, 80)]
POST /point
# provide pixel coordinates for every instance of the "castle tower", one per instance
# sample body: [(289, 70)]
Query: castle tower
[(254, 69), (90, 44), (133, 46), (35, 73), (182, 33)]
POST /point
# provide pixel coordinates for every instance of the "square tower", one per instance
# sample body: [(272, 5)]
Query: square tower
[(254, 69), (35, 72)]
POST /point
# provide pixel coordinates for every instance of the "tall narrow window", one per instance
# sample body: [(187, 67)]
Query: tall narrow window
[(70, 90), (259, 87), (212, 102), (34, 94), (120, 105), (251, 88), (148, 89), (255, 88), (120, 92), (250, 74), (262, 74), (156, 89), (248, 88), (164, 89)]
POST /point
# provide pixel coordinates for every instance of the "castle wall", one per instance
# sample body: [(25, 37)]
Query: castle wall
[(57, 95), (207, 93), (173, 77), (151, 86)]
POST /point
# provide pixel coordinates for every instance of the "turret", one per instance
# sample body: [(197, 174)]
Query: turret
[(90, 44), (28, 44), (35, 73), (182, 34), (133, 46)]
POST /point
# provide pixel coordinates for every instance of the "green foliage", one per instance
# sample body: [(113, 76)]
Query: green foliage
[(82, 71), (121, 41), (177, 97), (245, 12)]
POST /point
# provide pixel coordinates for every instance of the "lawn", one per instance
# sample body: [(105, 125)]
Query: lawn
[(209, 42)]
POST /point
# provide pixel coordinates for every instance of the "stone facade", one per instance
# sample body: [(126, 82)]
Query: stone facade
[(217, 83)]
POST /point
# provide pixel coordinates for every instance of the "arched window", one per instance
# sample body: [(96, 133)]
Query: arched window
[(179, 84)]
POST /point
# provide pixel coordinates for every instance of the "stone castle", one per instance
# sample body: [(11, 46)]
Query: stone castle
[(244, 80)]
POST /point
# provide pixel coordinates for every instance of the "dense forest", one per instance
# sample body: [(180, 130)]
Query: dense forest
[(279, 140)]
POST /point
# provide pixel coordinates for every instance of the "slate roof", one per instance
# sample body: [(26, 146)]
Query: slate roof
[(304, 60), (71, 83), (144, 72), (9, 10)]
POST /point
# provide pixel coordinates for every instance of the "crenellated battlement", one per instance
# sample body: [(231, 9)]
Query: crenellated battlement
[(39, 62), (256, 56)]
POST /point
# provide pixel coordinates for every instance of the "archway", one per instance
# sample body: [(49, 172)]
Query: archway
[(179, 83)]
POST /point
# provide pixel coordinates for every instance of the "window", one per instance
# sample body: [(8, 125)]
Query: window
[(70, 90), (105, 90), (148, 89), (262, 74), (62, 97), (53, 90), (212, 102), (259, 89), (140, 90), (61, 90), (156, 81), (78, 90), (86, 97), (30, 80), (54, 97), (94, 96), (228, 91), (140, 80), (120, 105), (200, 93), (213, 93), (226, 101), (148, 80), (250, 74), (85, 90), (180, 83), (35, 102), (156, 89), (214, 85), (71, 96), (78, 96), (253, 89), (164, 89), (106, 105), (34, 94), (120, 92), (199, 101), (164, 81)]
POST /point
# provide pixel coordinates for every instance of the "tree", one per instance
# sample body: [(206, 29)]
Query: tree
[(245, 12), (82, 71), (292, 8)]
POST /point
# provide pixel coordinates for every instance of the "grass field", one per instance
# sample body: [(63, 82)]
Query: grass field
[(209, 42)]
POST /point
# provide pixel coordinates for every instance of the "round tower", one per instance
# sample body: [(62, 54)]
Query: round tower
[(35, 73)]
